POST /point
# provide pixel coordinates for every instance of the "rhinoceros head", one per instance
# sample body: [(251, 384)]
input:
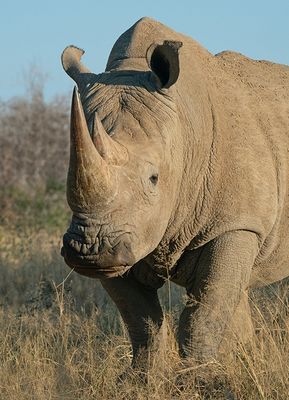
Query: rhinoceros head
[(121, 184)]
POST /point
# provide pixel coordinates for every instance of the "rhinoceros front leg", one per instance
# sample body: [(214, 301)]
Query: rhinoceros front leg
[(220, 278), (139, 306)]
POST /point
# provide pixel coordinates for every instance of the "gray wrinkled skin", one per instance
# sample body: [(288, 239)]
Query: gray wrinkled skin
[(179, 170)]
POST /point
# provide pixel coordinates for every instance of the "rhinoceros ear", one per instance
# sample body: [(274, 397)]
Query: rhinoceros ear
[(163, 60), (72, 65)]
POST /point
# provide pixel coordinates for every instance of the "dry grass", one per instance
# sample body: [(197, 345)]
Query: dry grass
[(63, 338)]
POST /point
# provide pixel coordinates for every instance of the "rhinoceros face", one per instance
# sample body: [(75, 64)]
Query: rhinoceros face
[(120, 186)]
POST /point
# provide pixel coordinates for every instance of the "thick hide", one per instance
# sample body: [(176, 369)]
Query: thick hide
[(185, 176)]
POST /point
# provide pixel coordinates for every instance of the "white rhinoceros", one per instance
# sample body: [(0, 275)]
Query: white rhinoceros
[(178, 170)]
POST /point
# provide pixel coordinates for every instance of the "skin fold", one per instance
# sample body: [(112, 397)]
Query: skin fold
[(179, 170)]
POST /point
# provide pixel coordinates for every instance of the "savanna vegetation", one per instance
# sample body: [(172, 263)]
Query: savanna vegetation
[(60, 335)]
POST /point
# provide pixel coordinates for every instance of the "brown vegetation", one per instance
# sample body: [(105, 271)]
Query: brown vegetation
[(61, 337), (34, 139)]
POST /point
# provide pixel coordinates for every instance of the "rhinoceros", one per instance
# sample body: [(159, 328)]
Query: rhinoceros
[(178, 171)]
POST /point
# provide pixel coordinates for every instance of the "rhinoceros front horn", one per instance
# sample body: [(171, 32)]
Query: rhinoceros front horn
[(90, 180)]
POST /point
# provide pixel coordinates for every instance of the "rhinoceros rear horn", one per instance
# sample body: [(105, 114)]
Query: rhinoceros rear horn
[(70, 59), (163, 60), (110, 150)]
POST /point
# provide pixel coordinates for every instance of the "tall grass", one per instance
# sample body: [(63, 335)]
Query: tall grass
[(62, 338)]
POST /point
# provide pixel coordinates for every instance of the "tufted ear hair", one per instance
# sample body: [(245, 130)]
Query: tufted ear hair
[(163, 60)]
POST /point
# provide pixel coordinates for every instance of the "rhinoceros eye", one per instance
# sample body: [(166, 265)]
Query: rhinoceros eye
[(154, 179)]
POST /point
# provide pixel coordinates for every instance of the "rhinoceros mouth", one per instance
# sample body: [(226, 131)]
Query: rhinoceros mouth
[(106, 257), (92, 266), (89, 267)]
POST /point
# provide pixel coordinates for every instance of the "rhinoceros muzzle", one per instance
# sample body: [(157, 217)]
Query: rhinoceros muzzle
[(92, 250)]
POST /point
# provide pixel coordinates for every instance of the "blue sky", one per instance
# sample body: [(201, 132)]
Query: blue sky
[(35, 32)]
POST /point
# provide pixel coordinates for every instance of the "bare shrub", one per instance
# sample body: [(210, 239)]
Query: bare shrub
[(33, 138)]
